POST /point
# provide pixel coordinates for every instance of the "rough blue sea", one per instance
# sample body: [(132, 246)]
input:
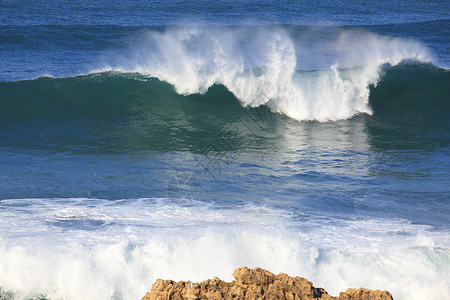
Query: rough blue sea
[(184, 139)]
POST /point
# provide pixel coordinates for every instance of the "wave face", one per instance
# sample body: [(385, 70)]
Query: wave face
[(306, 95), (114, 111)]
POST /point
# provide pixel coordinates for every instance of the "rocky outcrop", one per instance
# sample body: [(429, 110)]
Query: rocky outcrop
[(255, 284)]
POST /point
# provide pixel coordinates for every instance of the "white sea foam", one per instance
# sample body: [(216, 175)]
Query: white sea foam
[(101, 249), (261, 66)]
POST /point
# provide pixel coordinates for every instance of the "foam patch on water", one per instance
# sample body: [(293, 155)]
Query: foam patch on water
[(101, 249), (260, 66)]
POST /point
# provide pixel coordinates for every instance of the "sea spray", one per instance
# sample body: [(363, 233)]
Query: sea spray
[(259, 66)]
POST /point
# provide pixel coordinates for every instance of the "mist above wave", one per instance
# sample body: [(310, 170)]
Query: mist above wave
[(258, 65)]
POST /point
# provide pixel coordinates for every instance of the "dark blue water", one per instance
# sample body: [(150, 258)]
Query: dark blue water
[(181, 140)]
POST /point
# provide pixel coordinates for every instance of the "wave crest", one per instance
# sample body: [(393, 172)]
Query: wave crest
[(258, 65)]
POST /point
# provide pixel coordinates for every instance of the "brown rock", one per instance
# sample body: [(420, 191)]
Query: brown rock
[(256, 276), (255, 284), (364, 294)]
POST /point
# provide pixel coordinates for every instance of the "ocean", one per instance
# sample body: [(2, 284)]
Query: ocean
[(184, 139)]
